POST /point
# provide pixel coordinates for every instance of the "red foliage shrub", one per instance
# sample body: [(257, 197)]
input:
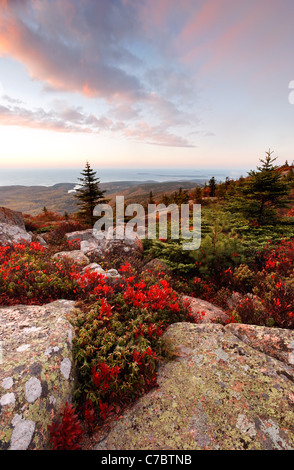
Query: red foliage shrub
[(67, 433), (28, 275)]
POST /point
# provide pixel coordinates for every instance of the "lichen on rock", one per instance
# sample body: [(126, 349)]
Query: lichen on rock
[(217, 393), (37, 374)]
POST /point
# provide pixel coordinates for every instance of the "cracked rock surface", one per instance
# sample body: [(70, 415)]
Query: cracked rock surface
[(226, 387)]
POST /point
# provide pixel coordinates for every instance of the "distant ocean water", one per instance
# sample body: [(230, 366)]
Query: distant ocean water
[(49, 177)]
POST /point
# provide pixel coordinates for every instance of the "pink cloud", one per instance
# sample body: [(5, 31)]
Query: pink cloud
[(61, 119), (70, 119), (207, 18), (66, 54), (143, 58), (156, 14), (87, 46), (232, 36), (232, 42)]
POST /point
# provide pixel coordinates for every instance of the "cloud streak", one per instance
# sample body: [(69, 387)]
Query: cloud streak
[(88, 47), (144, 60), (62, 45), (63, 120), (74, 119)]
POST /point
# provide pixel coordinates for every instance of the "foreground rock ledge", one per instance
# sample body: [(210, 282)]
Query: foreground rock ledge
[(36, 372), (227, 388)]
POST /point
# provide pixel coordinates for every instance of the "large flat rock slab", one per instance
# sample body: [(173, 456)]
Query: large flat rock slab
[(37, 373), (221, 391)]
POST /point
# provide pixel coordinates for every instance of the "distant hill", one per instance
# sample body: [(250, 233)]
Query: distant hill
[(139, 193), (32, 199)]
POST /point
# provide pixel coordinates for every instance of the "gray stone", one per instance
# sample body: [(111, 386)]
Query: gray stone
[(224, 388), (111, 274), (41, 240), (76, 256), (121, 237), (79, 235), (92, 246), (93, 267), (12, 228)]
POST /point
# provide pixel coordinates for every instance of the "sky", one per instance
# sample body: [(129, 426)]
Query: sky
[(146, 83)]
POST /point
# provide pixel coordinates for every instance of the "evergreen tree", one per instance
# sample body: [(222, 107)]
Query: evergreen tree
[(220, 191), (89, 195), (180, 197), (227, 183), (264, 192), (165, 199), (290, 177), (241, 181), (212, 186), (196, 195), (151, 198)]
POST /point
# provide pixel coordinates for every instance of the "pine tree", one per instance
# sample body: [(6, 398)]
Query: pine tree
[(180, 197), (151, 198), (227, 183), (290, 177), (165, 199), (89, 195), (196, 195), (264, 192), (212, 186)]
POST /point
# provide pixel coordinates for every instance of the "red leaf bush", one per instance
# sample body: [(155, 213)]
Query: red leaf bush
[(118, 342), (28, 275), (67, 433)]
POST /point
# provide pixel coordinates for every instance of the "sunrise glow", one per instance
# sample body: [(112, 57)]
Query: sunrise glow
[(145, 84)]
